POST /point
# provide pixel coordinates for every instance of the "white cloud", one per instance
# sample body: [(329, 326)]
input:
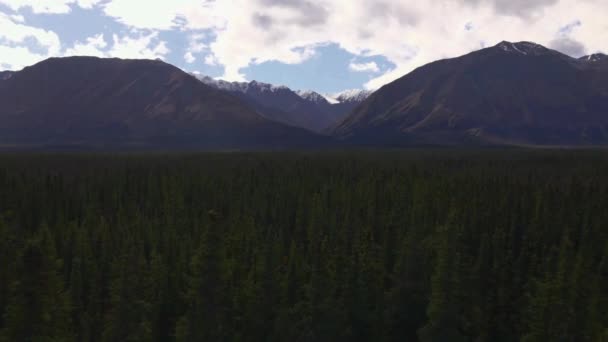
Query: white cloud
[(163, 14), (407, 33), (143, 46), (16, 58), (196, 46), (211, 60), (48, 6), (189, 58), (364, 67), (18, 18), (16, 40), (93, 46)]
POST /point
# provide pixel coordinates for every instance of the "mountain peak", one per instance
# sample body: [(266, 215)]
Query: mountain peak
[(84, 101), (522, 48), (594, 58), (315, 97), (352, 95), (512, 93), (267, 86)]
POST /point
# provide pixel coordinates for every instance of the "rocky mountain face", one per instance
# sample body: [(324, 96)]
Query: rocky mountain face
[(511, 93)]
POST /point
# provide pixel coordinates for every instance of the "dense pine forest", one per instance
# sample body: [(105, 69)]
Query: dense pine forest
[(417, 245)]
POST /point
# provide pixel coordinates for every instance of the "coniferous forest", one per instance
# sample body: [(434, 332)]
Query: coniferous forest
[(416, 245)]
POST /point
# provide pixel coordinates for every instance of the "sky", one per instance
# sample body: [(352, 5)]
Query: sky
[(322, 45)]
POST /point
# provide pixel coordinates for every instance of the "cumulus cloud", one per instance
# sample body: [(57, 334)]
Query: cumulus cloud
[(140, 46), (263, 21), (568, 46), (564, 42), (305, 13), (189, 58), (145, 46), (211, 60), (22, 45), (164, 14), (92, 46), (364, 67), (196, 46), (521, 8), (407, 33), (51, 6)]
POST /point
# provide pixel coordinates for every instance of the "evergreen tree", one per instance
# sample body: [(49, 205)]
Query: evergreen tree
[(38, 306)]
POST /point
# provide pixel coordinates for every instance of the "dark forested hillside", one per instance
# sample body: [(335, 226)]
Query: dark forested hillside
[(395, 246)]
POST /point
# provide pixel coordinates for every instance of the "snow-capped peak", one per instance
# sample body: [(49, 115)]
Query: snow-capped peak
[(242, 87), (315, 97), (352, 95), (522, 48), (267, 86), (348, 96)]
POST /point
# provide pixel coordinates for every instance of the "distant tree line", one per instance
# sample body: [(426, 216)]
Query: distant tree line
[(425, 245)]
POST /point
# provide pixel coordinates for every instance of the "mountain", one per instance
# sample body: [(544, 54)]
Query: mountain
[(347, 101), (304, 109), (87, 101), (317, 98), (352, 96), (511, 93), (598, 61), (5, 75), (595, 58)]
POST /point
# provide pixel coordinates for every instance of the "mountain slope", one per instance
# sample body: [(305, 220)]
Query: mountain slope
[(304, 109), (352, 96), (91, 101), (595, 58), (5, 75), (317, 98), (512, 93)]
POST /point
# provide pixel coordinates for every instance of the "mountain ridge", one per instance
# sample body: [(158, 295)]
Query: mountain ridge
[(307, 109), (518, 93), (110, 101), (511, 93)]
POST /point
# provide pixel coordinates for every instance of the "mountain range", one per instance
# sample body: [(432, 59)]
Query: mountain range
[(93, 102), (307, 109), (509, 94)]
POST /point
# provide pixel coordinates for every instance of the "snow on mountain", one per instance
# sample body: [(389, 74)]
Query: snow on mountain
[(347, 96), (315, 97), (523, 48), (242, 87), (352, 95), (302, 108), (596, 57)]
